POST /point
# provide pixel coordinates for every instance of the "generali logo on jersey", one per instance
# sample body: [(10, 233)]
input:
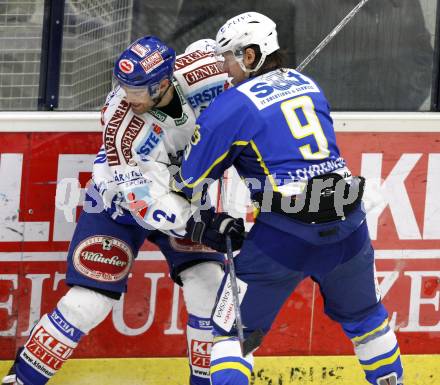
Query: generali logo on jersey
[(129, 135), (186, 60), (104, 259), (201, 73), (111, 130)]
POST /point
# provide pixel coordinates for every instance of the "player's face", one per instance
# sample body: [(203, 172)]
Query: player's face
[(231, 66), (140, 100)]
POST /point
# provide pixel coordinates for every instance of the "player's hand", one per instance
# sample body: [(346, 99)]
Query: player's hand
[(211, 228)]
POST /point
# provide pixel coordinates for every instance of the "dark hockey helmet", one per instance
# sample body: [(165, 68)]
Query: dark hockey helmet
[(144, 64)]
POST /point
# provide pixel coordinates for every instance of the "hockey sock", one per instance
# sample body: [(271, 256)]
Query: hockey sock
[(56, 335), (200, 285), (50, 344), (228, 366), (376, 348), (199, 336)]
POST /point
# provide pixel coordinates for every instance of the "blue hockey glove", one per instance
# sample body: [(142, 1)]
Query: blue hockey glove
[(211, 229)]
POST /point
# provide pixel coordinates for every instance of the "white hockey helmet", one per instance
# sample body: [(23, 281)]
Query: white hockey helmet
[(246, 29), (206, 45)]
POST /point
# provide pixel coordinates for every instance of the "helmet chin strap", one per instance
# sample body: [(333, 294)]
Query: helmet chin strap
[(159, 98), (249, 71)]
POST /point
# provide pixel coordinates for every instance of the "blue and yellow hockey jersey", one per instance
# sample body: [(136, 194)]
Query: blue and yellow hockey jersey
[(275, 128)]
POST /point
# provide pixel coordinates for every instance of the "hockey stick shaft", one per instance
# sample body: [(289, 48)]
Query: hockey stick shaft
[(331, 35), (234, 290), (231, 272)]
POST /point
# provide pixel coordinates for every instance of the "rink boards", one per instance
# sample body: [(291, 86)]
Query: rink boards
[(400, 153), (298, 370)]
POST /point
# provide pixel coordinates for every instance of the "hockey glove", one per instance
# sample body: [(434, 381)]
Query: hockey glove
[(211, 229)]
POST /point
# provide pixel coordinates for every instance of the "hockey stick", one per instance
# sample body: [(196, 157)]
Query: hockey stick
[(235, 292), (231, 272), (254, 340), (331, 35)]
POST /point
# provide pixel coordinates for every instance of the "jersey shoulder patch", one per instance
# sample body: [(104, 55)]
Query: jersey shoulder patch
[(276, 86)]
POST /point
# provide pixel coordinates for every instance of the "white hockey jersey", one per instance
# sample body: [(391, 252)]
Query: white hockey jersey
[(131, 169)]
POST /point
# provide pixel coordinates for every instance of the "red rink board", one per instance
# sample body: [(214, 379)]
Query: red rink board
[(151, 321)]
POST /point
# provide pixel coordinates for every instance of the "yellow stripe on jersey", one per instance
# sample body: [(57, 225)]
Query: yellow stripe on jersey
[(263, 165), (240, 143), (215, 163)]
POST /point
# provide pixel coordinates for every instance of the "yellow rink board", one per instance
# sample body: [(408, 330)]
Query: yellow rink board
[(322, 370)]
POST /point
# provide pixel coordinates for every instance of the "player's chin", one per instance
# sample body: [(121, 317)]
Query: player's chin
[(140, 108), (238, 79)]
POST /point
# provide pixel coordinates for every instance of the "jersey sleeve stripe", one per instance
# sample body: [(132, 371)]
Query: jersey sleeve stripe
[(263, 165), (215, 163)]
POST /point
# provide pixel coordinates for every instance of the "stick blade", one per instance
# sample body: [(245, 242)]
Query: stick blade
[(252, 342)]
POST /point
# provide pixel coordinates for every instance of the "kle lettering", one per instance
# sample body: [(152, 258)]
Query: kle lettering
[(48, 349)]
